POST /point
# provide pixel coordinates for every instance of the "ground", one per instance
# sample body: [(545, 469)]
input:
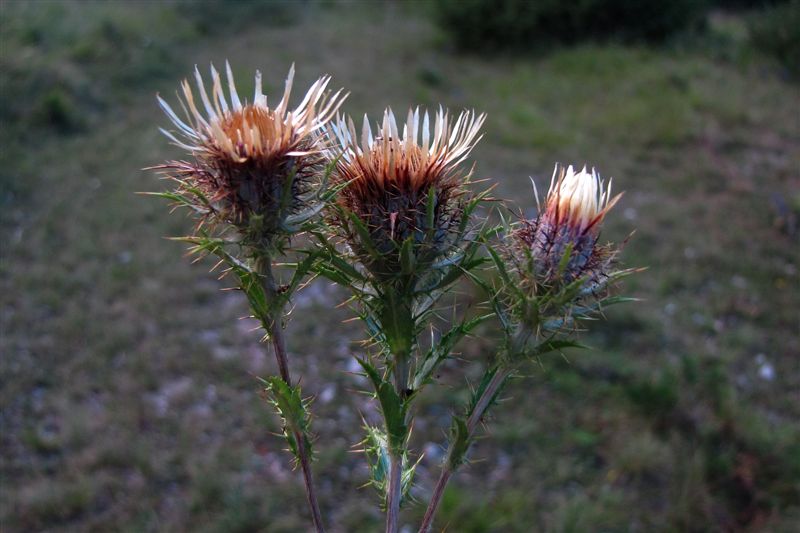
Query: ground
[(129, 398)]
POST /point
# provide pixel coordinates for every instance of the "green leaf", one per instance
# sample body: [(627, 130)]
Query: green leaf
[(200, 195), (500, 265), (331, 260), (377, 452), (460, 264), (407, 259), (495, 300), (565, 257), (477, 200), (441, 350), (448, 278), (482, 386), (332, 274), (301, 269), (329, 193), (262, 307), (293, 223), (553, 345), (363, 235), (570, 292), (179, 199), (407, 477), (614, 300), (460, 441), (250, 282), (376, 449), (557, 324), (345, 268), (450, 260), (392, 406), (591, 310), (373, 328), (430, 208), (397, 322), (289, 405)]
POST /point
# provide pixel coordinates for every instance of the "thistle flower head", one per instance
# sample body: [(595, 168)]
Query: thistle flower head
[(577, 201), (562, 241), (403, 188), (254, 166)]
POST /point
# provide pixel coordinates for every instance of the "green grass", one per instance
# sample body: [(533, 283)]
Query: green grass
[(128, 395)]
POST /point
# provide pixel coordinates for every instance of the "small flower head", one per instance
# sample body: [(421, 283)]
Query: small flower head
[(562, 241), (254, 166), (405, 188), (578, 201)]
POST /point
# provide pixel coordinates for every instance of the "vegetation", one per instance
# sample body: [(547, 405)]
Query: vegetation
[(479, 25), (128, 395), (776, 32)]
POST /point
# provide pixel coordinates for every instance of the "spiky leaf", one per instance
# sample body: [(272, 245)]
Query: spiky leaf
[(377, 452), (460, 441), (407, 259), (479, 391), (293, 411), (441, 350), (393, 407)]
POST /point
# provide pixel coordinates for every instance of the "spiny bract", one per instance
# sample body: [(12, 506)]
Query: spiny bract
[(403, 187)]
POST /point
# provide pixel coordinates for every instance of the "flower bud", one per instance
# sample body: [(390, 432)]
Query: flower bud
[(562, 240)]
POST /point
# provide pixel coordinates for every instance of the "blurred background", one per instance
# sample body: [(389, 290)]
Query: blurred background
[(128, 391)]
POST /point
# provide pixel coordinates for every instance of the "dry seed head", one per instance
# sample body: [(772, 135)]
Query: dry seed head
[(574, 209), (390, 178), (246, 154)]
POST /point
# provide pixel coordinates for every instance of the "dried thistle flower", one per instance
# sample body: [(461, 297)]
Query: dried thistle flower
[(261, 171), (255, 167), (403, 188), (561, 243), (404, 210)]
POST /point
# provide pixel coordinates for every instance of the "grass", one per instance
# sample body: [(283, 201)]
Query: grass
[(128, 394)]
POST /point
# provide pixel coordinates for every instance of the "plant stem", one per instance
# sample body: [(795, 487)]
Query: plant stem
[(436, 497), (279, 344), (447, 469), (395, 489), (393, 497), (486, 398), (400, 374)]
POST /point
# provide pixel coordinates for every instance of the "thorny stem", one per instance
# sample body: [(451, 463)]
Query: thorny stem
[(436, 497), (279, 345), (393, 497), (488, 394), (474, 418), (396, 459), (400, 374)]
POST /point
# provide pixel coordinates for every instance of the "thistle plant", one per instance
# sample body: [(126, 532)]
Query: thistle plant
[(404, 213), (394, 219), (256, 178), (553, 274)]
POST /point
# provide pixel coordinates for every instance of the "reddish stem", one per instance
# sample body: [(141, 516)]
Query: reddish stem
[(279, 345)]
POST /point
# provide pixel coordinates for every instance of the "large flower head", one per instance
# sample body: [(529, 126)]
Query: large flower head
[(254, 166), (562, 241), (403, 190)]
